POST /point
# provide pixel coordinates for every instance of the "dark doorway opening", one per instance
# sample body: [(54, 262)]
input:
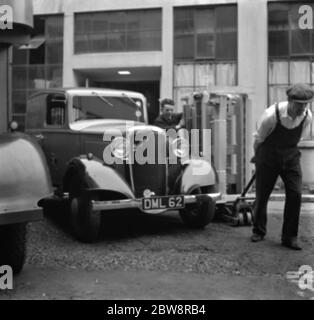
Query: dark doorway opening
[(150, 89)]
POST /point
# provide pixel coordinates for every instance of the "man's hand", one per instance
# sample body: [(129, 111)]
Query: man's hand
[(180, 125)]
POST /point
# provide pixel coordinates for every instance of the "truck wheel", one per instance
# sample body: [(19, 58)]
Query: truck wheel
[(198, 215), (84, 222), (13, 246)]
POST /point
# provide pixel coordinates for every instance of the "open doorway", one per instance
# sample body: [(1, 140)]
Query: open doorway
[(150, 89)]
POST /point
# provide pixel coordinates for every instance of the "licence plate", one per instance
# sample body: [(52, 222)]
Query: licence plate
[(171, 202)]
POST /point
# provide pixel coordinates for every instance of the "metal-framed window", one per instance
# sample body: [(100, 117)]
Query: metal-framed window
[(205, 48), (37, 66), (117, 31), (290, 51)]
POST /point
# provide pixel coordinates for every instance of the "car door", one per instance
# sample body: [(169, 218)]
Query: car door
[(51, 129)]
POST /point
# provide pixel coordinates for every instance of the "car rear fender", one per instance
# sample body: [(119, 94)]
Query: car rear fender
[(24, 176)]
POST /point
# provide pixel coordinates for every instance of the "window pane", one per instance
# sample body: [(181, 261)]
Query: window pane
[(299, 71), (99, 24), (278, 72), (204, 21), (118, 31), (98, 43), (117, 21), (226, 74), (226, 18), (39, 25), (278, 17), (54, 76), (204, 75), (184, 47), (82, 44), (54, 52), (36, 75), (205, 45), (144, 41), (300, 41), (37, 112), (226, 45), (144, 20), (19, 101), (183, 21), (19, 77), (278, 26), (277, 94), (278, 43), (19, 56), (184, 75), (54, 27), (117, 41), (37, 56), (83, 23)]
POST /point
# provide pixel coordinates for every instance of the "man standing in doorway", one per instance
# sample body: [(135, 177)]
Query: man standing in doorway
[(168, 119), (281, 128)]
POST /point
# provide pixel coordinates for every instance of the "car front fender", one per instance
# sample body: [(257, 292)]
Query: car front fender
[(99, 177), (197, 172)]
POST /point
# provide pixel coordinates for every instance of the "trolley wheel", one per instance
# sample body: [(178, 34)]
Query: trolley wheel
[(240, 219), (249, 218)]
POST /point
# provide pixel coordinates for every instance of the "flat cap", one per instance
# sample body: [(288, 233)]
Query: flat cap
[(300, 93), (166, 101)]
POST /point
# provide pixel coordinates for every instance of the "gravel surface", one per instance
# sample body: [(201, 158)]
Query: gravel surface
[(161, 245)]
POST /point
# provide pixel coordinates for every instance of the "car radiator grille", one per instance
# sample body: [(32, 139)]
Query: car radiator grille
[(149, 176)]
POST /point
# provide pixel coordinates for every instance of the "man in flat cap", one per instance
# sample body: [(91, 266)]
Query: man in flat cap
[(281, 127), (168, 119)]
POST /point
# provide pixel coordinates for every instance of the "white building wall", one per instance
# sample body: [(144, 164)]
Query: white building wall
[(252, 46), (253, 64), (252, 41)]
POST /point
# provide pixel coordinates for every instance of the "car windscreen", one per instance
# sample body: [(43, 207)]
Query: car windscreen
[(107, 107)]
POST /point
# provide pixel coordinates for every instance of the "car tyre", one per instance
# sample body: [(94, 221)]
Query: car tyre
[(198, 215), (84, 222), (13, 246)]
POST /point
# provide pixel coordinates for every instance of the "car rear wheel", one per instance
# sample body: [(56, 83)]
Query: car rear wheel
[(198, 215), (13, 246), (84, 222)]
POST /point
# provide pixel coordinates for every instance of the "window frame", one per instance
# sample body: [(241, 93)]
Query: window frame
[(291, 57)]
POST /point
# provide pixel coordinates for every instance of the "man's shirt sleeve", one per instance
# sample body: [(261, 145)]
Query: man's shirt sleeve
[(307, 125), (266, 124)]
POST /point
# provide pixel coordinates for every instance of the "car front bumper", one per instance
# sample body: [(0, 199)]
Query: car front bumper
[(137, 203)]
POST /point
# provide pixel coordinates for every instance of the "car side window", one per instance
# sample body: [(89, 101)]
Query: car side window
[(55, 110), (36, 111)]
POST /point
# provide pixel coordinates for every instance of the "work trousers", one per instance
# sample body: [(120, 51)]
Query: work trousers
[(272, 162)]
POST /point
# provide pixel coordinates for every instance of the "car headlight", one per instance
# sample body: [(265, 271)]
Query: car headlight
[(181, 147), (120, 148)]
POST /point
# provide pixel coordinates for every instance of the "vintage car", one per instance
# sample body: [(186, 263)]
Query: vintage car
[(87, 135), (24, 179)]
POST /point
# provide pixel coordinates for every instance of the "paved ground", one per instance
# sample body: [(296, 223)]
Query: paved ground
[(156, 257)]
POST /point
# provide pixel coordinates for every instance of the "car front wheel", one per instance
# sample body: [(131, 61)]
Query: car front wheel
[(198, 215), (84, 222)]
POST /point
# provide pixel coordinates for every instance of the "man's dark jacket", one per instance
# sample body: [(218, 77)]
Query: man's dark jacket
[(163, 123)]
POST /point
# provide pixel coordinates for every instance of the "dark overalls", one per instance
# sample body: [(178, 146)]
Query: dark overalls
[(277, 156)]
